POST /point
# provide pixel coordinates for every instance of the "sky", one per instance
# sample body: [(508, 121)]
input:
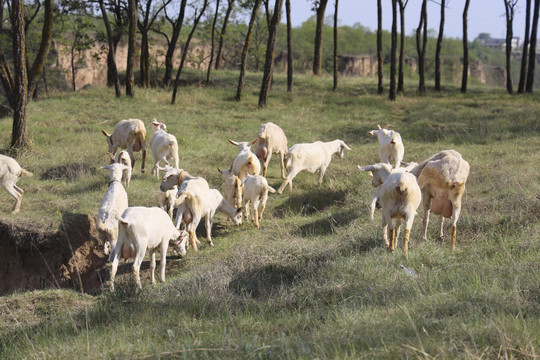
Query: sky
[(485, 16)]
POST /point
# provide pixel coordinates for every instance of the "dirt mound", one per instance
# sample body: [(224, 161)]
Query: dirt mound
[(70, 257)]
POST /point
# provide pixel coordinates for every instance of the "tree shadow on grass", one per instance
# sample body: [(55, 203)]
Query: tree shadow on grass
[(327, 225), (309, 203)]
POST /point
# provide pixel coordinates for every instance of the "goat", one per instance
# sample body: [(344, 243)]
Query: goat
[(271, 140), (10, 172), (130, 134)]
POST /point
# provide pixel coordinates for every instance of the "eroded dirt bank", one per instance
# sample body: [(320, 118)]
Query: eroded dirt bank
[(69, 257)]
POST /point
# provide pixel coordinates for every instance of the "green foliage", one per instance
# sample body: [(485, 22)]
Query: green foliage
[(315, 280)]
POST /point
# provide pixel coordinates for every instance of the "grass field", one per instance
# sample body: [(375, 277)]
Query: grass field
[(315, 281)]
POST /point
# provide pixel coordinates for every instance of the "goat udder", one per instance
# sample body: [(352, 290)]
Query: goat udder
[(442, 206), (128, 251)]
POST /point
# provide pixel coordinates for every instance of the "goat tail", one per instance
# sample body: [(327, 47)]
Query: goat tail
[(271, 189), (26, 173)]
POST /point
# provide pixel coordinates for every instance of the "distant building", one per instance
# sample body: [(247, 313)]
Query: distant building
[(499, 44)]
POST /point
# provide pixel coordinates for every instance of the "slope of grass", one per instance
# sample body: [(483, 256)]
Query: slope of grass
[(315, 281)]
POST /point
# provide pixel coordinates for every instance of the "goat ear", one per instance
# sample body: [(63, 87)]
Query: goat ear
[(254, 141), (387, 125), (106, 167), (219, 170), (372, 132), (105, 133), (378, 127), (368, 168), (233, 142), (345, 145), (110, 155)]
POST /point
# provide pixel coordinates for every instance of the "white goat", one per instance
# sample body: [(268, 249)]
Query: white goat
[(246, 163), (442, 179), (123, 158), (271, 140), (256, 190), (232, 188), (196, 201), (141, 229), (400, 196), (391, 150), (130, 134), (174, 177), (10, 172), (312, 157), (164, 146), (167, 199), (112, 206)]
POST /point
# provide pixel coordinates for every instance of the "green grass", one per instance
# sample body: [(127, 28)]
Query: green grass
[(315, 280)]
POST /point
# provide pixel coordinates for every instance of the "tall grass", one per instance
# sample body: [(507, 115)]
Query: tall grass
[(315, 281)]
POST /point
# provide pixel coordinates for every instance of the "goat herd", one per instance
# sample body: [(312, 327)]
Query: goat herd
[(128, 232)]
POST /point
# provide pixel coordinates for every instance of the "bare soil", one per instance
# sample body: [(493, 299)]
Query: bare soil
[(70, 257)]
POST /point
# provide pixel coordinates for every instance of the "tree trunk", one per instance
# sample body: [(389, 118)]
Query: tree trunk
[(509, 14), (438, 49), (380, 86), (73, 69), (19, 139), (223, 33), (111, 62), (465, 75), (177, 27), (421, 42), (185, 50), (402, 6), (130, 76), (532, 49), (524, 55), (213, 43), (393, 51), (43, 51), (290, 64), (269, 63), (317, 55), (245, 50), (144, 59), (335, 44)]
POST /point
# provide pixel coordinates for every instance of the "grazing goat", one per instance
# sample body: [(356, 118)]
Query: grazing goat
[(442, 179), (400, 196), (114, 203), (271, 140), (232, 188), (123, 158), (130, 134), (10, 172), (167, 199), (195, 201), (256, 190), (141, 229), (173, 177), (246, 163), (312, 157), (164, 146)]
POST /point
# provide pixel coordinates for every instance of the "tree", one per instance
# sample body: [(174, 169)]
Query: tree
[(532, 49), (380, 86), (111, 62), (132, 33), (19, 137), (196, 18), (335, 44), (438, 49), (421, 42), (465, 48), (21, 83), (524, 55), (392, 91), (176, 25), (144, 25), (402, 5), (269, 63), (221, 39), (320, 7), (212, 33), (290, 64), (509, 10), (245, 50)]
